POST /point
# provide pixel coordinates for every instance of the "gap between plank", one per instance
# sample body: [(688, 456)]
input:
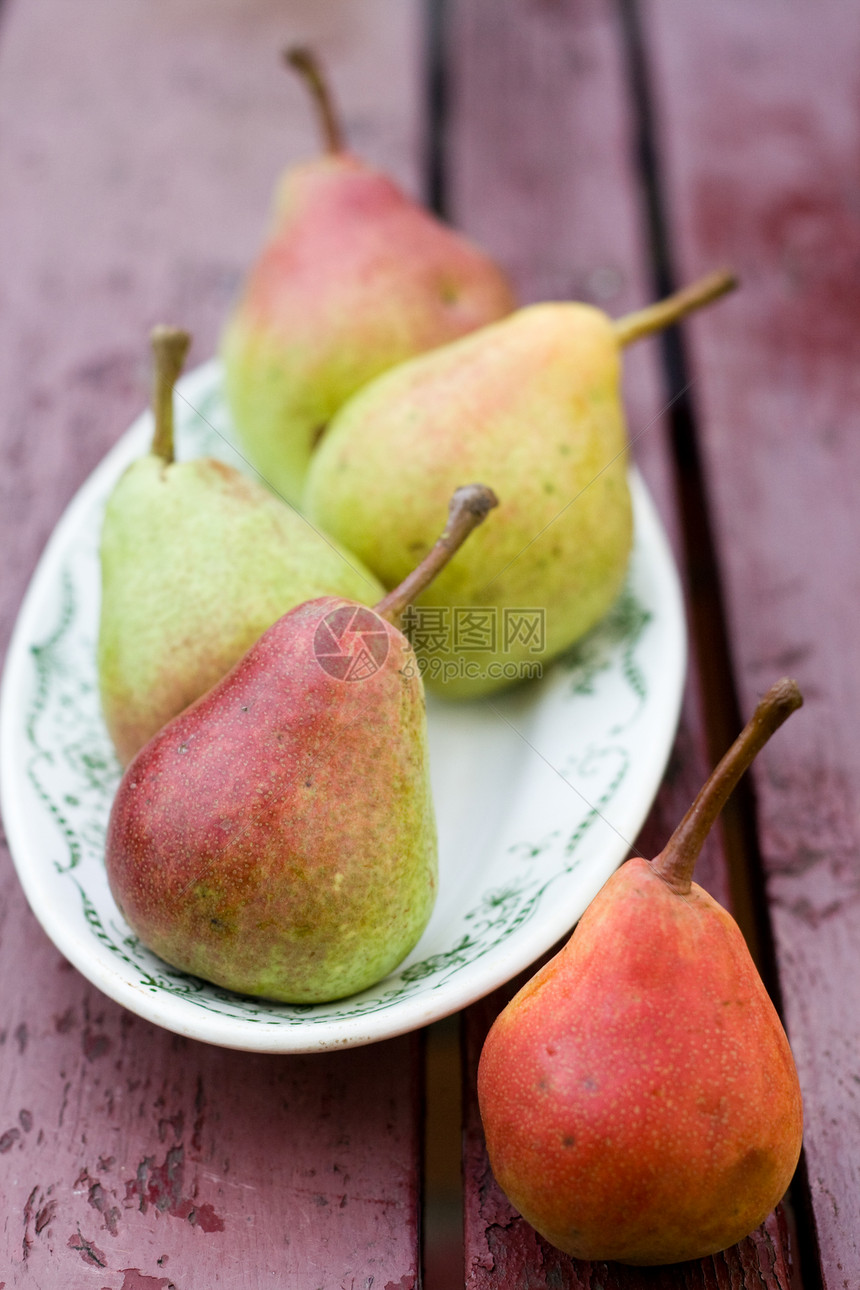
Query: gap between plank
[(706, 604), (435, 23), (442, 1247), (707, 611)]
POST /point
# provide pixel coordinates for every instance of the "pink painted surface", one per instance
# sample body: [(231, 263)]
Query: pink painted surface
[(543, 175), (129, 1150), (761, 140), (138, 150), (140, 145)]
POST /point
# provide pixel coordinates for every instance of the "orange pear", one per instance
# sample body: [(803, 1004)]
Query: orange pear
[(639, 1097)]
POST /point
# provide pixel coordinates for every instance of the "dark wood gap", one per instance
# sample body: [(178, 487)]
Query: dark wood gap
[(435, 188), (706, 605), (706, 601), (422, 1153), (442, 1249), (442, 1211)]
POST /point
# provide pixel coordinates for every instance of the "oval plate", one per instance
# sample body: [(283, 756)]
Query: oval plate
[(539, 792)]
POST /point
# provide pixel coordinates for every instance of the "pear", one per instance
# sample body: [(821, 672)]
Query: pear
[(532, 404), (278, 837), (639, 1097), (197, 561), (353, 277)]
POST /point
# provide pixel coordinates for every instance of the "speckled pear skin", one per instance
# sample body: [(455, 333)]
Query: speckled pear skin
[(530, 406), (639, 1098), (197, 561), (278, 837), (354, 278)]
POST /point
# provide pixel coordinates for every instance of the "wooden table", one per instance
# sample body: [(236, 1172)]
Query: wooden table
[(601, 149)]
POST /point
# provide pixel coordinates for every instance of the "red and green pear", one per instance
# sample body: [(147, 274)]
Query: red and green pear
[(197, 561), (639, 1097), (278, 837), (353, 278)]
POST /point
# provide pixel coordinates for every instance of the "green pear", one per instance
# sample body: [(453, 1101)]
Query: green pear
[(278, 838), (532, 404), (197, 561), (639, 1096), (353, 278)]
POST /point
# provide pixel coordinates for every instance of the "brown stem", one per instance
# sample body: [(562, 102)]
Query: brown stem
[(676, 861), (469, 507), (665, 312), (169, 347), (305, 62)]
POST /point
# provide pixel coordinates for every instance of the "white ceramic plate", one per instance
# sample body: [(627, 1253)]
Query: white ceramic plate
[(539, 792)]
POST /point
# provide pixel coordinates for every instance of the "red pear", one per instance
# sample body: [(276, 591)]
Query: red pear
[(639, 1097), (278, 837), (353, 278)]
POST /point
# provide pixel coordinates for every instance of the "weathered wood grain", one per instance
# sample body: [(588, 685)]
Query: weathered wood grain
[(760, 144), (139, 144), (543, 173), (135, 1158)]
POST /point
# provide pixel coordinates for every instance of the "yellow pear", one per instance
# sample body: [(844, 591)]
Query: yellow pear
[(532, 404)]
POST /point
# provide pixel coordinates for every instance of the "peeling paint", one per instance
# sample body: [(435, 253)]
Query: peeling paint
[(27, 1242), (90, 1253), (65, 1021), (8, 1140), (99, 1201), (136, 1280), (162, 1186), (44, 1216), (199, 1117), (95, 1045)]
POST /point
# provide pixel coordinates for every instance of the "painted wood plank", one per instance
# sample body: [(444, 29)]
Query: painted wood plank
[(761, 137), (542, 172), (544, 179), (139, 144)]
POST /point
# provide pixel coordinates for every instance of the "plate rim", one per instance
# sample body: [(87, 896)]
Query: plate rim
[(245, 1035)]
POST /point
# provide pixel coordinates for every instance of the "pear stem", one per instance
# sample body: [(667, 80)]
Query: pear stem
[(643, 322), (468, 508), (305, 62), (169, 347), (677, 860)]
